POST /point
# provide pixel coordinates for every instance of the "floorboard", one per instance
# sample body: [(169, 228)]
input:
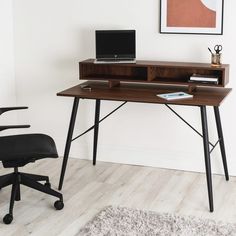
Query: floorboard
[(87, 189)]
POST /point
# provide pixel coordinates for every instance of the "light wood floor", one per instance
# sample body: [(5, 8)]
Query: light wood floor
[(87, 189)]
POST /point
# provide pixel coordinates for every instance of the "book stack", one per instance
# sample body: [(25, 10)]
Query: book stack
[(209, 79)]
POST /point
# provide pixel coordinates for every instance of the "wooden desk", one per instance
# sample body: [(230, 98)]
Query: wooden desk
[(146, 93)]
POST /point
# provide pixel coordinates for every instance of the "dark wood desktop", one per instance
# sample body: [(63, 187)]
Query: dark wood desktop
[(154, 78)]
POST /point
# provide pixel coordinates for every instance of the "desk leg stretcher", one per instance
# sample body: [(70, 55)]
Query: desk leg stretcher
[(69, 139)]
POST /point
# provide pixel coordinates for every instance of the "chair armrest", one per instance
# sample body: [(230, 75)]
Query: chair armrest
[(5, 109), (3, 127)]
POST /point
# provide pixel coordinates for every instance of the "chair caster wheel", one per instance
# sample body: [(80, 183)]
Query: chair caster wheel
[(47, 184), (59, 204), (7, 219)]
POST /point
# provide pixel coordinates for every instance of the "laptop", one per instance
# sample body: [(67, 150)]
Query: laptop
[(115, 46)]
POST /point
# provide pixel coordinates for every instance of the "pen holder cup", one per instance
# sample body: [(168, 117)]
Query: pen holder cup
[(216, 59)]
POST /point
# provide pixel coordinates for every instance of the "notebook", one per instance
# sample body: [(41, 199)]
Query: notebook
[(175, 96)]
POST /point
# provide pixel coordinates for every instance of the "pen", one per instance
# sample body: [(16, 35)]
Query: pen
[(174, 95), (85, 87), (210, 51)]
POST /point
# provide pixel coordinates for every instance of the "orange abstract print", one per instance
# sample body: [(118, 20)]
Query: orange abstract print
[(189, 13)]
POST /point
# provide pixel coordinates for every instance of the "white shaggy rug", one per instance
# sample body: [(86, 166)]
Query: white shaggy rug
[(122, 221)]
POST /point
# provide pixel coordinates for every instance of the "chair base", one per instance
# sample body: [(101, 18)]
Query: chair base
[(30, 180)]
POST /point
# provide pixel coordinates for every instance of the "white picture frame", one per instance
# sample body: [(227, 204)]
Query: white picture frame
[(180, 17)]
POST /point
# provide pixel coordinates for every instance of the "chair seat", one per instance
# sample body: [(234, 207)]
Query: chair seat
[(18, 150)]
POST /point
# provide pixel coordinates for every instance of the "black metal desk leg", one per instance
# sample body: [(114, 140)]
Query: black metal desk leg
[(96, 128), (207, 156), (221, 141), (68, 140)]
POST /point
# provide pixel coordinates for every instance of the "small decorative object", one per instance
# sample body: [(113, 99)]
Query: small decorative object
[(191, 16), (216, 57)]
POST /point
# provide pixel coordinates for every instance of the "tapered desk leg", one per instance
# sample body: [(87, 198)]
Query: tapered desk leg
[(221, 141), (96, 128), (68, 140), (207, 156)]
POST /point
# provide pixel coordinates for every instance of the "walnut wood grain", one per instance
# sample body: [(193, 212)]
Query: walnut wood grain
[(146, 93), (160, 72)]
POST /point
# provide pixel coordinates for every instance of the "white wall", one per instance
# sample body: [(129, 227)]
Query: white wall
[(51, 37), (7, 78)]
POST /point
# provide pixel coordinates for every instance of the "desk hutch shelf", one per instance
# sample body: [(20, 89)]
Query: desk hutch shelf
[(176, 73)]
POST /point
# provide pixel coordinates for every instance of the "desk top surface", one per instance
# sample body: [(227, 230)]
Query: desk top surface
[(147, 93)]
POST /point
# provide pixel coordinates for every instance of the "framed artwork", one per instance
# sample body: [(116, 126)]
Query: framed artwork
[(191, 16)]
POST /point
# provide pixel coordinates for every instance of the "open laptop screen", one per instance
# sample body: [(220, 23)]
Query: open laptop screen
[(115, 44)]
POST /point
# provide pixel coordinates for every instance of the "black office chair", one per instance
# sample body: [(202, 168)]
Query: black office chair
[(19, 150)]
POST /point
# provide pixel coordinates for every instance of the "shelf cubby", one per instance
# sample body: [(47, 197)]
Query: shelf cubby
[(113, 72)]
